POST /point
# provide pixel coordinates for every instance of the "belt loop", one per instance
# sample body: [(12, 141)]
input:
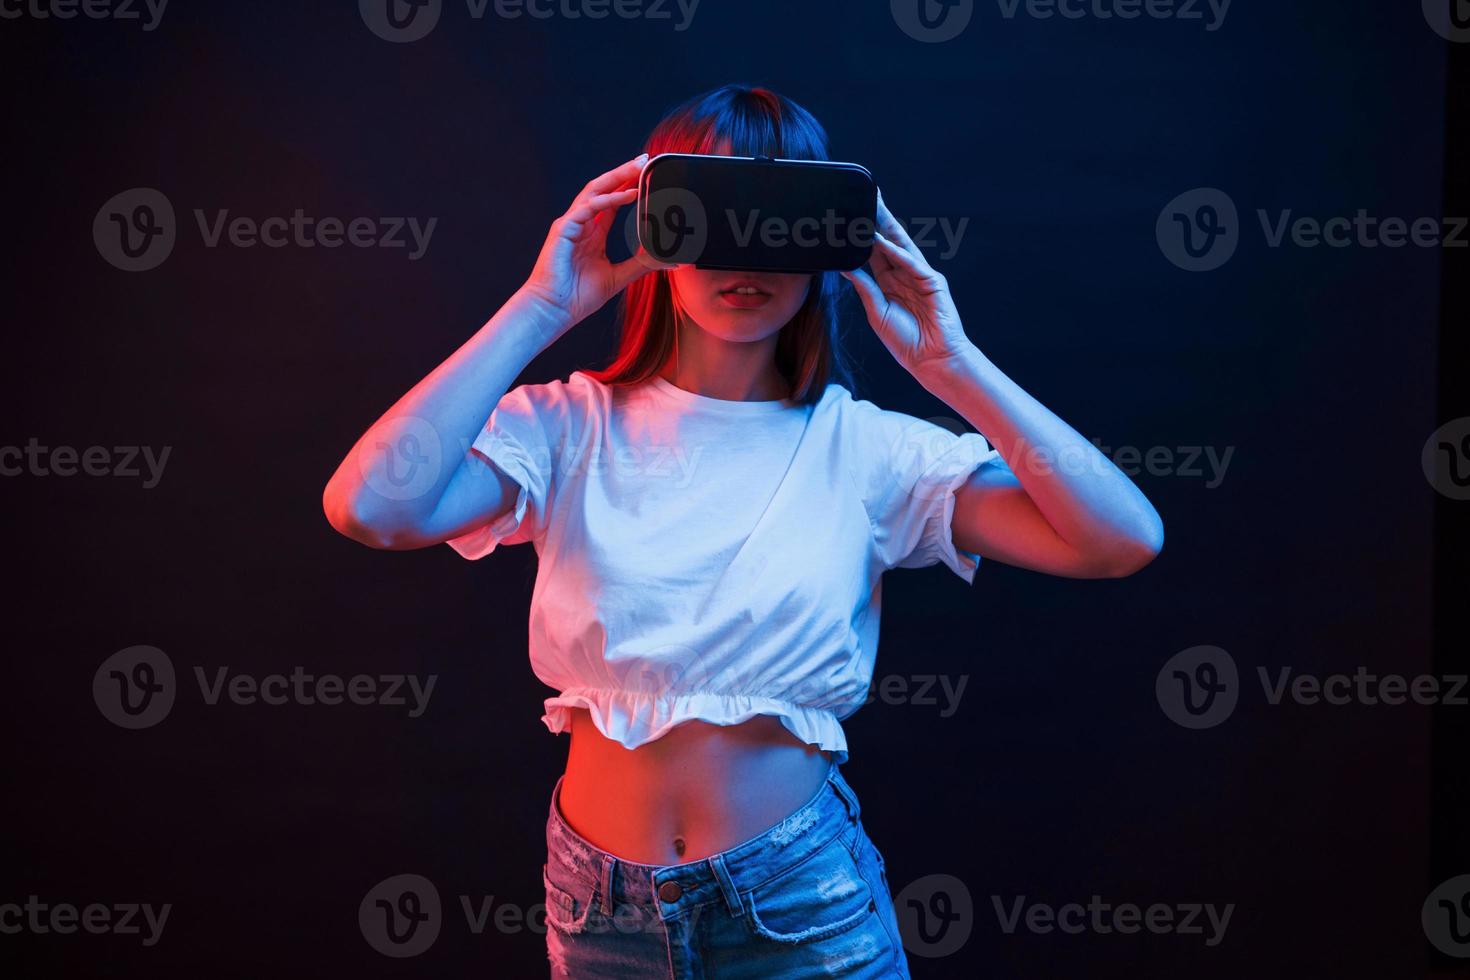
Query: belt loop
[(604, 884), (845, 791), (727, 885)]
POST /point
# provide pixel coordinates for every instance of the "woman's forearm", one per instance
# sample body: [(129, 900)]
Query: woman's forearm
[(372, 497), (390, 491), (1089, 502)]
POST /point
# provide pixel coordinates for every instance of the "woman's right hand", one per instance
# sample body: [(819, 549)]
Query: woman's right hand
[(573, 277)]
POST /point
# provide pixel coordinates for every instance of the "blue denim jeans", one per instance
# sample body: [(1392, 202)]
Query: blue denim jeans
[(807, 898)]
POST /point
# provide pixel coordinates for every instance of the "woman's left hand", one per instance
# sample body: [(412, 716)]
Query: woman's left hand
[(907, 301), (1083, 519)]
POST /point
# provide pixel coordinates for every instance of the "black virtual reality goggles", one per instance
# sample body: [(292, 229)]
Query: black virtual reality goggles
[(756, 214)]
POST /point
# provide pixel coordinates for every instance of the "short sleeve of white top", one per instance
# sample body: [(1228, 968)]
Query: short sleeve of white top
[(707, 559)]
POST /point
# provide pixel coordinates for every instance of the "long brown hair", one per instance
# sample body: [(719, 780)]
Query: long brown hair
[(742, 121)]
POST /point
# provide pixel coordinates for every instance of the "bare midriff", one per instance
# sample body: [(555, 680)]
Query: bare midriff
[(697, 790)]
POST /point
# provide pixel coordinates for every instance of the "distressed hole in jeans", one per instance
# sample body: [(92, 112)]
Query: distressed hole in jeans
[(837, 885), (821, 897), (864, 950), (793, 826)]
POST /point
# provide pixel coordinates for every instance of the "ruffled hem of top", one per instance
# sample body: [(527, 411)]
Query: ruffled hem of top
[(632, 719)]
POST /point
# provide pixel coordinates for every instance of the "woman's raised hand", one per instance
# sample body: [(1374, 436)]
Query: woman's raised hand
[(573, 277), (907, 301)]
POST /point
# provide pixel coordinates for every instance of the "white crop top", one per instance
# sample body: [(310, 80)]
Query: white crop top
[(707, 559)]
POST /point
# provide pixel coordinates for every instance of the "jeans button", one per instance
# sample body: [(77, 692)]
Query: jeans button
[(670, 891)]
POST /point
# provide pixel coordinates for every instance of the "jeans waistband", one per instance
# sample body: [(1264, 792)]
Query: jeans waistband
[(723, 876)]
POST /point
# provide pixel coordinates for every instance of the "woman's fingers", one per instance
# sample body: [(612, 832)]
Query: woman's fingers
[(887, 280), (871, 295), (890, 226), (584, 209), (616, 178), (878, 260), (613, 200), (631, 269), (608, 205), (901, 259)]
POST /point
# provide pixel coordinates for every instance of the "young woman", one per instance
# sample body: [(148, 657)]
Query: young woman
[(712, 515)]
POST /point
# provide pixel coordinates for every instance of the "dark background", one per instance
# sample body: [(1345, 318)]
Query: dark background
[(1058, 778)]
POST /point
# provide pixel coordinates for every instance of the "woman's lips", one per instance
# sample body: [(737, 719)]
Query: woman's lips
[(744, 296)]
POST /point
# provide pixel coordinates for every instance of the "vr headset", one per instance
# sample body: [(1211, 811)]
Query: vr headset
[(756, 214)]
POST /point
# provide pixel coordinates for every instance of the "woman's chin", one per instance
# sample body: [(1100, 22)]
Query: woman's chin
[(740, 326)]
